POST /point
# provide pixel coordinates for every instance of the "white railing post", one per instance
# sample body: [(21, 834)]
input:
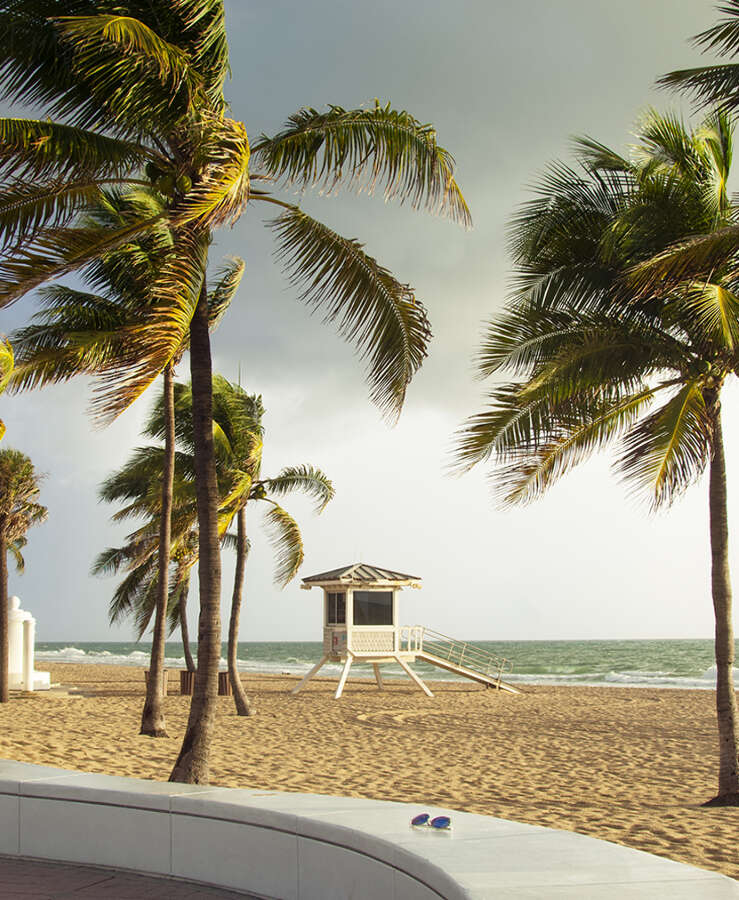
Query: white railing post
[(29, 639)]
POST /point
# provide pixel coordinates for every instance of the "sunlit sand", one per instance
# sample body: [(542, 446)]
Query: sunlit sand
[(624, 764)]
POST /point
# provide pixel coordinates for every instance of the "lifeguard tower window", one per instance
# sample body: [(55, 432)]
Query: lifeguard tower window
[(373, 607), (336, 612)]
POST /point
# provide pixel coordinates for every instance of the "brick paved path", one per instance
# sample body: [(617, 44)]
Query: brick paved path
[(26, 879)]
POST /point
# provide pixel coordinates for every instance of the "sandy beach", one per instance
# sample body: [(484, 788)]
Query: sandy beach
[(627, 765)]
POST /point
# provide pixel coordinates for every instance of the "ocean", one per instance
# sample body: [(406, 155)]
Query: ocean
[(644, 663)]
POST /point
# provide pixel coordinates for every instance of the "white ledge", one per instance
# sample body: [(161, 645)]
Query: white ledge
[(314, 847)]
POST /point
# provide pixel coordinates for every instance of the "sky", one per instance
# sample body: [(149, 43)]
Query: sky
[(506, 85)]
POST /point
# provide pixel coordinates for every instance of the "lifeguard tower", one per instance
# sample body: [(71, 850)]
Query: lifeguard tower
[(360, 622)]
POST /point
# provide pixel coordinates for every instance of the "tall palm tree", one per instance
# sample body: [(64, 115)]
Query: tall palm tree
[(91, 333), (19, 510), (598, 357), (140, 86)]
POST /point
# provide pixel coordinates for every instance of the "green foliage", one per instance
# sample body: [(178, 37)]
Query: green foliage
[(606, 338), (372, 308), (136, 488), (360, 147), (135, 92), (19, 492)]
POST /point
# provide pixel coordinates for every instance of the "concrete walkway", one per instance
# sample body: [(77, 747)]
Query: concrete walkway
[(30, 879)]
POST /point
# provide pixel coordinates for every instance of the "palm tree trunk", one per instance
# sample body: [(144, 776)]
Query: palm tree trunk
[(726, 708), (191, 766), (243, 707), (4, 624), (185, 631), (152, 718)]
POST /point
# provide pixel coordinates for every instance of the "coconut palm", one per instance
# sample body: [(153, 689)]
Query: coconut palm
[(239, 418), (238, 437), (596, 358), (140, 86), (19, 510), (91, 333)]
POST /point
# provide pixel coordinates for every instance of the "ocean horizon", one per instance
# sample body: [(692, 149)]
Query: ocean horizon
[(667, 663)]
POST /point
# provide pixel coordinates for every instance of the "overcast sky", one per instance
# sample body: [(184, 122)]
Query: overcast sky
[(506, 85)]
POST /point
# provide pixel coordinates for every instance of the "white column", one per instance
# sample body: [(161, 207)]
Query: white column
[(344, 676), (29, 640)]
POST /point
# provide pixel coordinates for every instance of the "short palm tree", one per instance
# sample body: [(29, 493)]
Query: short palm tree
[(139, 86), (238, 416), (19, 510), (598, 356), (136, 596), (238, 437)]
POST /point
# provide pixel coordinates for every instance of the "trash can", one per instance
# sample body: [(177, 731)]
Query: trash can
[(165, 679), (187, 682), (224, 685)]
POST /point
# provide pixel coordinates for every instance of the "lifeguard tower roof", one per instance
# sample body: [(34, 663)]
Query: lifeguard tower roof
[(360, 573)]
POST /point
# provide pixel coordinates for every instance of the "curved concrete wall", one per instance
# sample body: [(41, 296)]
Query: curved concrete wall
[(314, 847)]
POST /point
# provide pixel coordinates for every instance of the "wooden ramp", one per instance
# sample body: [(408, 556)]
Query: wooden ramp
[(465, 659), (488, 680)]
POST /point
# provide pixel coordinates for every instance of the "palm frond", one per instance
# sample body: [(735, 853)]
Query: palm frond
[(25, 209), (227, 280), (694, 258), (708, 85), (135, 77), (361, 147), (667, 451), (14, 549), (711, 313), (526, 479), (373, 309), (307, 479), (59, 251), (7, 363), (160, 331), (286, 541), (39, 149)]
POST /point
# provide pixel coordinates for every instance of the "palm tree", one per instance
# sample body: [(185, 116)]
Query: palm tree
[(598, 357), (238, 417), (19, 510), (141, 85), (238, 438), (91, 333), (137, 594)]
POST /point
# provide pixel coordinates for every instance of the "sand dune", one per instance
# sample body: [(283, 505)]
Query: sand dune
[(627, 765)]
